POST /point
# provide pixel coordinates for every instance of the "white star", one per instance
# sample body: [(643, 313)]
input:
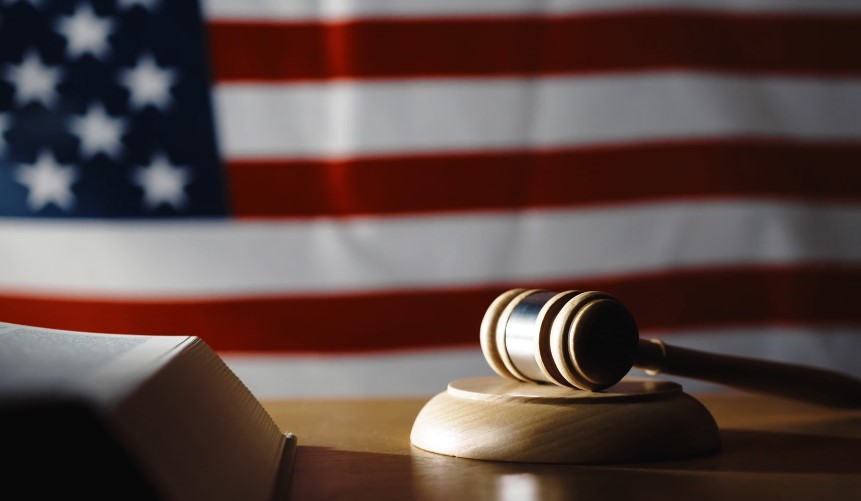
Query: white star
[(47, 182), (98, 132), (163, 183), (33, 80), (148, 84), (145, 4), (85, 33)]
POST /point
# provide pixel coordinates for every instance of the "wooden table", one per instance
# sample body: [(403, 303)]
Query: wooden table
[(772, 450)]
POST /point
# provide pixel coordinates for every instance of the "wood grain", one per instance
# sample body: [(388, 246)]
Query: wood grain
[(494, 418), (771, 448)]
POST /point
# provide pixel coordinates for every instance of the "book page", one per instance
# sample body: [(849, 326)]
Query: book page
[(37, 357), (100, 364)]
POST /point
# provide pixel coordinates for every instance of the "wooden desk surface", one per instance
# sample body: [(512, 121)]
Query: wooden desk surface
[(772, 450)]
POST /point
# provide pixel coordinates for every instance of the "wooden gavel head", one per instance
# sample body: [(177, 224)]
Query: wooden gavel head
[(589, 340), (580, 339)]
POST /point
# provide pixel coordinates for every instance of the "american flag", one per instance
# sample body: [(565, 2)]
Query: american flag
[(331, 193)]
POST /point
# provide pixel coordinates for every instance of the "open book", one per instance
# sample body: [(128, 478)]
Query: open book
[(114, 416)]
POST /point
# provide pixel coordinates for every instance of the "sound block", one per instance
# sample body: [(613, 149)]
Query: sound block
[(499, 419)]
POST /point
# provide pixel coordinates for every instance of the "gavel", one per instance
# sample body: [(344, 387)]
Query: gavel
[(589, 340)]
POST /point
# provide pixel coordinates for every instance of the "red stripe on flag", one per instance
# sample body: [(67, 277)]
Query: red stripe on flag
[(261, 50), (508, 180), (691, 299)]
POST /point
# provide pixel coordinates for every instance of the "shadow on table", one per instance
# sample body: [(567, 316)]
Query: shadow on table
[(745, 451), (783, 465)]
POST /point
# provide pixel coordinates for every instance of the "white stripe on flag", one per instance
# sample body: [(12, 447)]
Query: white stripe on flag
[(320, 255), (348, 118), (351, 9)]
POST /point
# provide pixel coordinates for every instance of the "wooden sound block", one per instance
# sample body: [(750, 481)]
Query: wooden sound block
[(500, 419)]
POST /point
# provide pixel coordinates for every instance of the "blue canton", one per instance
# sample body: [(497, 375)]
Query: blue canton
[(105, 111)]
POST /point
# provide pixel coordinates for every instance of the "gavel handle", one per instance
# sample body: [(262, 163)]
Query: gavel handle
[(808, 384)]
